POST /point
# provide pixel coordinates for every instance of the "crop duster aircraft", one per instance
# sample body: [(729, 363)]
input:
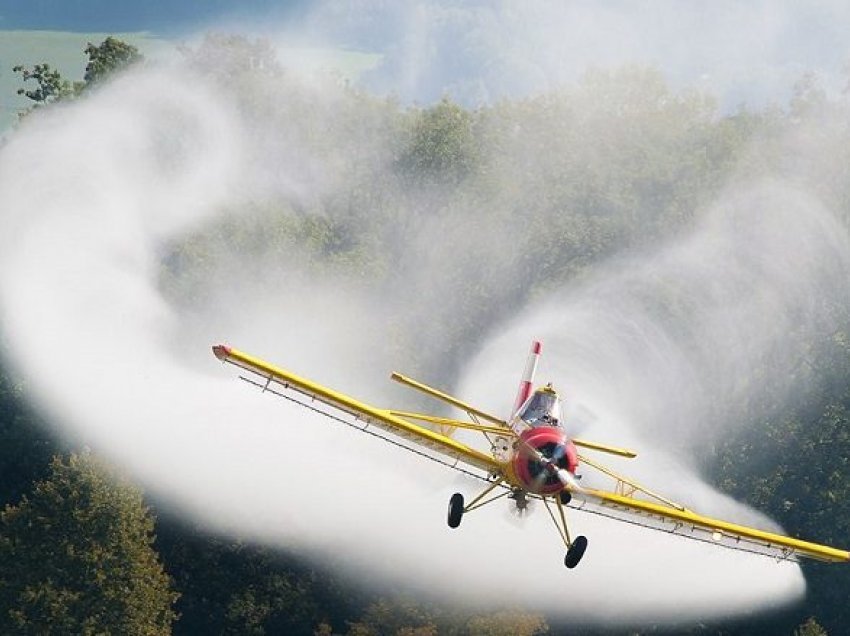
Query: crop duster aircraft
[(531, 457)]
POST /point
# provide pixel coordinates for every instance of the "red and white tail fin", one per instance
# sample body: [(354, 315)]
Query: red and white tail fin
[(525, 385)]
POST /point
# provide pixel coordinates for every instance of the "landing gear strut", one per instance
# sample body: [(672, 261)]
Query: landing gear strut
[(457, 507), (575, 549)]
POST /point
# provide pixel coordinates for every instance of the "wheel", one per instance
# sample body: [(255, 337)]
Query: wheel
[(455, 510), (565, 496), (575, 552)]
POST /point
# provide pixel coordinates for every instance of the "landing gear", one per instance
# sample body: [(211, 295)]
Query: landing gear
[(455, 510), (575, 552), (575, 549), (457, 507)]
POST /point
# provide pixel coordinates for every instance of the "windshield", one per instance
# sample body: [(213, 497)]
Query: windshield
[(543, 408)]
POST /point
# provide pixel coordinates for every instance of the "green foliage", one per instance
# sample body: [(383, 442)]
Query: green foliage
[(810, 628), (77, 557), (228, 57), (506, 623), (442, 146), (104, 60), (246, 69), (393, 617), (404, 616), (796, 466), (107, 58), (27, 446), (231, 587), (51, 86)]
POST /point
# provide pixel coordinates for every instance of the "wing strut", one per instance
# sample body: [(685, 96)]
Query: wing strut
[(463, 406)]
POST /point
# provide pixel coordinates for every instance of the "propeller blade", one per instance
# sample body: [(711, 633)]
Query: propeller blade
[(569, 480)]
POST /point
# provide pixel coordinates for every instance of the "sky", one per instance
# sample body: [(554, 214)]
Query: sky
[(478, 52), (158, 16)]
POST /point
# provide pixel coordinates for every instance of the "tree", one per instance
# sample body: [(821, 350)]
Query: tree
[(27, 443), (794, 466), (107, 58), (404, 616), (78, 559), (51, 85), (397, 616), (232, 587), (506, 623), (810, 628), (229, 57), (442, 147)]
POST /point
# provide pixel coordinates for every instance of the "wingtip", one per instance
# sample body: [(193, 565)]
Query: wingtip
[(536, 347), (220, 351)]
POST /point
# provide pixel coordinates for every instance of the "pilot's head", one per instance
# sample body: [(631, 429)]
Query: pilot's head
[(543, 408)]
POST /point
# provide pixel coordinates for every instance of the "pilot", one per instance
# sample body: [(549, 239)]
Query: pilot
[(543, 408)]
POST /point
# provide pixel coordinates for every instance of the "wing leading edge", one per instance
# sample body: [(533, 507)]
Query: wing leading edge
[(383, 418)]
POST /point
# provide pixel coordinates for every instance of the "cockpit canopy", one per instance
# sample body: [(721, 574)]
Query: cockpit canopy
[(542, 408)]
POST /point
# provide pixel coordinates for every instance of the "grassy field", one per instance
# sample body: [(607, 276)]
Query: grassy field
[(64, 50)]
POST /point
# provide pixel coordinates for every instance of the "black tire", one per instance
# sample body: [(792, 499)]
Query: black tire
[(565, 496), (455, 510), (575, 552)]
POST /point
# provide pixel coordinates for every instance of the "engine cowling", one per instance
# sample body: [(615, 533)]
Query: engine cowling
[(551, 442)]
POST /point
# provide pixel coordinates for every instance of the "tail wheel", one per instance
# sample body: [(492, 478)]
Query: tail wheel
[(455, 510), (575, 552), (565, 496)]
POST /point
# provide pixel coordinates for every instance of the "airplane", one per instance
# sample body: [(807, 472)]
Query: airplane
[(531, 457)]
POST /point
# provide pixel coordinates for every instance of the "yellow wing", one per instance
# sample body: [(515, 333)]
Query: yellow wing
[(632, 502), (392, 421)]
